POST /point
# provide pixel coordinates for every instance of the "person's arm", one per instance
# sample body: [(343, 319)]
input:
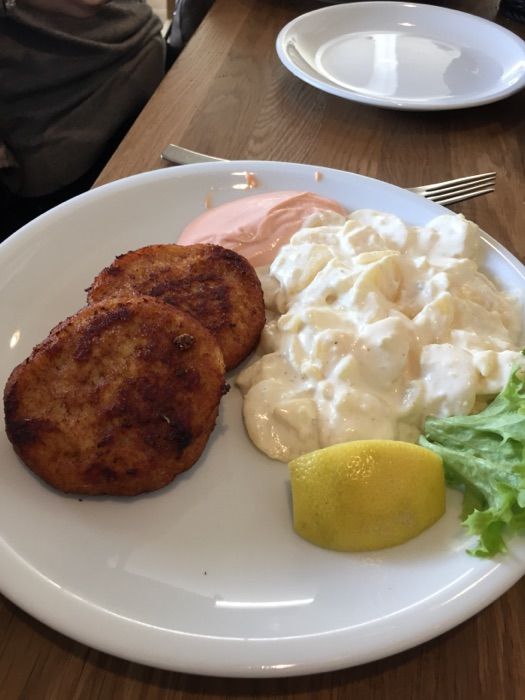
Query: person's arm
[(71, 8)]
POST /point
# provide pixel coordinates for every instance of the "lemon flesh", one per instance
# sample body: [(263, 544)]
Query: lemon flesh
[(366, 494)]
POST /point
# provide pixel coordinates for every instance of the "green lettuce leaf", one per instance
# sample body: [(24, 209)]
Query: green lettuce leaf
[(484, 454)]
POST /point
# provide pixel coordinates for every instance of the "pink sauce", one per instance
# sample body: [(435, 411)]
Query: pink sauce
[(256, 226)]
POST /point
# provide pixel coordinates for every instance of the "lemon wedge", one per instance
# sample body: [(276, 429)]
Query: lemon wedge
[(366, 494)]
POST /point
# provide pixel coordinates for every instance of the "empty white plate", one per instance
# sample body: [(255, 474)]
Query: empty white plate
[(404, 55)]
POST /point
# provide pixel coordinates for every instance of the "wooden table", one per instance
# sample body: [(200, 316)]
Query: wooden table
[(228, 95)]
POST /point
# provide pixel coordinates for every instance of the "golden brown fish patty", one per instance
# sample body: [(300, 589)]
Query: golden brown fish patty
[(216, 285), (119, 399)]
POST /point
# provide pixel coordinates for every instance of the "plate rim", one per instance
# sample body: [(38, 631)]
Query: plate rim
[(325, 85)]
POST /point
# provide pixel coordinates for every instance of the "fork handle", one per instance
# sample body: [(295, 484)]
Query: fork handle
[(183, 156)]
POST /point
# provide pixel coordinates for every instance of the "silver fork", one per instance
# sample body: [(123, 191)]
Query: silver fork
[(447, 192)]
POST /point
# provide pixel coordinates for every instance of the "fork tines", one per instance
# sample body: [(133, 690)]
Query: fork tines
[(461, 188)]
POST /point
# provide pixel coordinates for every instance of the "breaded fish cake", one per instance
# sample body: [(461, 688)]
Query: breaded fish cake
[(217, 286), (119, 399)]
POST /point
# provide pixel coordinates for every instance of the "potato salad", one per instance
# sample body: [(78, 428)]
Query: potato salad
[(373, 325)]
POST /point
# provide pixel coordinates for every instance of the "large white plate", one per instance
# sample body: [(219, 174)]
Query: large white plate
[(207, 575), (403, 55)]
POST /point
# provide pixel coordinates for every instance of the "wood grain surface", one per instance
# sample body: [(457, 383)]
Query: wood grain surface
[(229, 96)]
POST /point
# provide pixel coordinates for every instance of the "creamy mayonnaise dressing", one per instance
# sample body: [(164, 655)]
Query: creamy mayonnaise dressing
[(372, 326)]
